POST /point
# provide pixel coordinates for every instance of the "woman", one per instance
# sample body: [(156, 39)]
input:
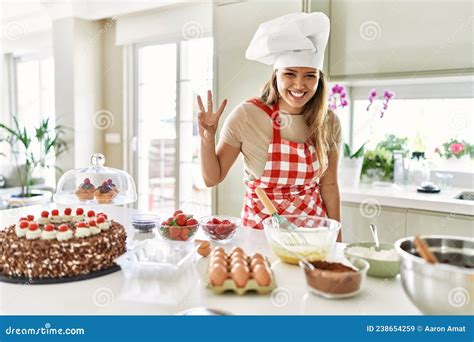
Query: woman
[(289, 140)]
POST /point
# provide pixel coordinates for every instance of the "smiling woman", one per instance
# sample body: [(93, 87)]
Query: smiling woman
[(289, 139)]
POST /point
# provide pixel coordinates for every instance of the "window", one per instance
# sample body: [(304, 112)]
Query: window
[(34, 99), (169, 76)]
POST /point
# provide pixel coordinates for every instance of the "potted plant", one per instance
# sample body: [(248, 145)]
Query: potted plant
[(36, 151), (352, 162), (455, 154)]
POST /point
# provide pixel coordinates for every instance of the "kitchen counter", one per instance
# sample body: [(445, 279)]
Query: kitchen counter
[(407, 197), (110, 294)]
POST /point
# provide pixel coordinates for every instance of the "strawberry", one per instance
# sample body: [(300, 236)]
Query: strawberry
[(33, 226), (100, 219), (184, 234), (226, 222), (44, 214), (30, 217), (177, 212), (54, 212), (87, 181), (67, 211), (215, 220), (49, 227), (90, 213), (79, 211), (191, 222), (174, 233), (92, 223), (81, 225), (24, 224), (63, 228), (181, 219), (221, 230)]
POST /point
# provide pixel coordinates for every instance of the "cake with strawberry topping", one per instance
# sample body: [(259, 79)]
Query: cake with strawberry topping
[(85, 190), (60, 249)]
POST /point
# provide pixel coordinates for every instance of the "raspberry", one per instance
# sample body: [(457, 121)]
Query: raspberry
[(49, 227), (63, 228)]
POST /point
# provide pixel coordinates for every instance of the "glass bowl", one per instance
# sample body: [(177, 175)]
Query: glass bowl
[(219, 228), (329, 283), (320, 234), (178, 233), (144, 222)]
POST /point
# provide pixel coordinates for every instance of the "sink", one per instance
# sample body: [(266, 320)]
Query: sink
[(465, 195)]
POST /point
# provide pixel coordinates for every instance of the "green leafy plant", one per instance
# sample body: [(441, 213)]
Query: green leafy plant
[(50, 141), (455, 148), (393, 143), (359, 153), (380, 159)]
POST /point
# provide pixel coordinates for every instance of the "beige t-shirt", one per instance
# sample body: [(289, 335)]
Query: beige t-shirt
[(251, 129)]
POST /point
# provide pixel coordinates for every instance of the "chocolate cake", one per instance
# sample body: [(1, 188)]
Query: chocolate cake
[(78, 246)]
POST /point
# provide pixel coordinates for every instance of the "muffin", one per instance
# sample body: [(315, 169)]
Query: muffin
[(85, 191), (104, 194)]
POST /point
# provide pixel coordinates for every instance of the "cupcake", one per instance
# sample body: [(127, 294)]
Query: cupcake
[(113, 186), (104, 194), (85, 191)]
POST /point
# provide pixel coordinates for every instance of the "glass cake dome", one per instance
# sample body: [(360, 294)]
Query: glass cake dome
[(96, 185)]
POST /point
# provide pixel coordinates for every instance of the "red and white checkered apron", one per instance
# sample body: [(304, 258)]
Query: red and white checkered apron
[(290, 178)]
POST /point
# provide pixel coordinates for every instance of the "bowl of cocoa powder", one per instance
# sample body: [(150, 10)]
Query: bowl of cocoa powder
[(335, 279)]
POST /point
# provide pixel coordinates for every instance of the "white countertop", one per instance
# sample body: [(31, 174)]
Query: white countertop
[(111, 294), (407, 197)]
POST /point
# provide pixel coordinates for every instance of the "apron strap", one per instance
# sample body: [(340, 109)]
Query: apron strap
[(273, 113)]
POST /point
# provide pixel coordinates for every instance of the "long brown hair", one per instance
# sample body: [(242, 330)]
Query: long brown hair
[(315, 113)]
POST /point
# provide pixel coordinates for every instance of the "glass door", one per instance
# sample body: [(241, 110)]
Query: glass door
[(167, 150)]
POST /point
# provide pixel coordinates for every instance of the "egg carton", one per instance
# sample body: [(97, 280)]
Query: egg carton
[(229, 285)]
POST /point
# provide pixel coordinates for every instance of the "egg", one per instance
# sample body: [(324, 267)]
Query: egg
[(239, 262), (237, 251), (218, 249), (261, 275), (219, 261), (240, 275), (217, 275), (258, 256), (220, 253), (204, 251), (256, 262)]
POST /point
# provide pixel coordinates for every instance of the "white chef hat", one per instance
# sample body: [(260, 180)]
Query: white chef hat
[(293, 40)]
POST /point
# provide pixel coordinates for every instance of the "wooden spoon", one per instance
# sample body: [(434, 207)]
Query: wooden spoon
[(424, 251)]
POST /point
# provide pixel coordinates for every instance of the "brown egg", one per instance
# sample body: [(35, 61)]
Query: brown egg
[(240, 263), (258, 256), (218, 249), (261, 275), (256, 262), (238, 250), (217, 275), (218, 261), (221, 253), (240, 275), (204, 251), (235, 261)]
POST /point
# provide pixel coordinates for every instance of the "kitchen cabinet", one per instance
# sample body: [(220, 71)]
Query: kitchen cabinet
[(404, 38), (427, 222), (356, 218)]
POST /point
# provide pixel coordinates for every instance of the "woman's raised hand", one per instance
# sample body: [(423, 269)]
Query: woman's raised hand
[(208, 119)]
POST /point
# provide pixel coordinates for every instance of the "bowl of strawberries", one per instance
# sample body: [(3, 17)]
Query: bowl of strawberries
[(219, 228), (179, 227)]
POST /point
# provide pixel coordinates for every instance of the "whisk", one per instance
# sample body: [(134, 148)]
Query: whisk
[(285, 230)]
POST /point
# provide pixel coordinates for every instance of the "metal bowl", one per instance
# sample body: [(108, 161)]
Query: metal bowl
[(446, 288)]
